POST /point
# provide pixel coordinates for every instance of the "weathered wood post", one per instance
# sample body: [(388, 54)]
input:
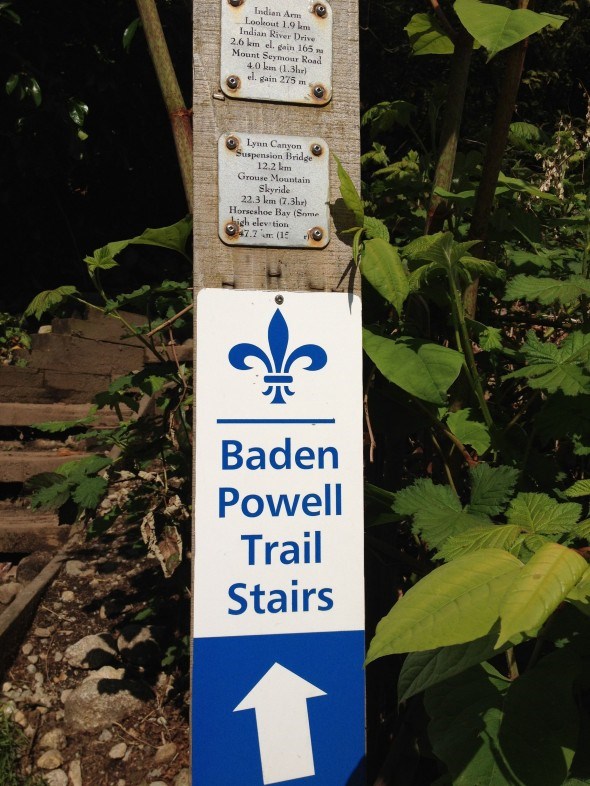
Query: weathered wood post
[(278, 627)]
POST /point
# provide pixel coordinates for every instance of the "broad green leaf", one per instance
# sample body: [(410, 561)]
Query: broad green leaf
[(77, 111), (382, 267), (386, 114), (581, 488), (540, 727), (475, 267), (552, 368), (469, 430), (417, 247), (497, 27), (456, 603), (491, 536), (12, 83), (129, 33), (445, 251), (77, 469), (173, 237), (34, 90), (466, 712), (49, 490), (436, 510), (547, 290), (579, 595), (90, 492), (350, 195), (422, 368), (427, 37), (57, 426), (374, 227), (422, 670), (47, 300), (538, 589), (516, 184), (525, 135), (491, 488), (539, 513)]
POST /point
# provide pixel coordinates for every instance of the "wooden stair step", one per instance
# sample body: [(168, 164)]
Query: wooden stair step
[(18, 466), (23, 531), (23, 414)]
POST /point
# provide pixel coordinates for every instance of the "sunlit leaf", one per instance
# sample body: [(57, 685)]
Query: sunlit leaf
[(382, 267), (457, 602), (538, 589)]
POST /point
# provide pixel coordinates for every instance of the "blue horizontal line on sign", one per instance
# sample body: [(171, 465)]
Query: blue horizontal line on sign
[(275, 420)]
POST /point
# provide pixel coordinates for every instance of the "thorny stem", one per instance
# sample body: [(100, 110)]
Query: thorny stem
[(170, 321)]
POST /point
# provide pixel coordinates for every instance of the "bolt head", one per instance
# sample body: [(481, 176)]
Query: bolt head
[(319, 91), (232, 229), (231, 143), (317, 149), (317, 234), (320, 10), (235, 3), (233, 82), (279, 300)]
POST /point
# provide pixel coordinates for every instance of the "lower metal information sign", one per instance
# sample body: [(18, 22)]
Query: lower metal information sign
[(274, 190), (278, 681)]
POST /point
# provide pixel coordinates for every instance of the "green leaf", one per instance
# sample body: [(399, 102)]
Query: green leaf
[(581, 488), (491, 488), (382, 267), (12, 83), (374, 227), (466, 712), (525, 135), (552, 368), (422, 670), (547, 291), (579, 595), (427, 37), (77, 111), (540, 728), (469, 431), (445, 252), (422, 368), (34, 90), (488, 338), (350, 195), (538, 589), (90, 492), (436, 510), (456, 603), (378, 506), (516, 184), (77, 469), (173, 237), (51, 491), (475, 267), (490, 536), (47, 300), (538, 513), (129, 33), (497, 27)]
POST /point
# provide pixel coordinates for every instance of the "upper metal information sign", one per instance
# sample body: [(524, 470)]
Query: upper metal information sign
[(278, 684), (274, 190), (277, 50)]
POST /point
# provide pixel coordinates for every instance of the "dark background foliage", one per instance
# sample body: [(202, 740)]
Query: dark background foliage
[(62, 196)]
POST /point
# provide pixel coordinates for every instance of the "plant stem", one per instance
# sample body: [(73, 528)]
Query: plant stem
[(177, 111), (443, 176), (484, 200), (511, 663), (467, 348)]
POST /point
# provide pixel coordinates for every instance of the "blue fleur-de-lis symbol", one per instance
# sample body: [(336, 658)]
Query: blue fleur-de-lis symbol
[(278, 364)]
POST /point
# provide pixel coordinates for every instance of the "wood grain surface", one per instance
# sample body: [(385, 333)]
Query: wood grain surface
[(218, 265)]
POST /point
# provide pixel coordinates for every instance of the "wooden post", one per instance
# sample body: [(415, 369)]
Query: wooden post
[(278, 600), (292, 269)]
